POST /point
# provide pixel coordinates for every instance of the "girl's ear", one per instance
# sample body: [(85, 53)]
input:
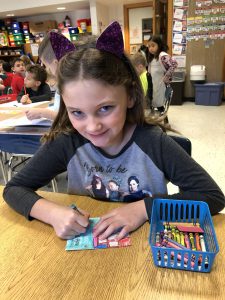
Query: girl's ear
[(38, 83)]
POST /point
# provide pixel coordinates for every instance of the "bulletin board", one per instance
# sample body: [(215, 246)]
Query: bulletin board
[(199, 35)]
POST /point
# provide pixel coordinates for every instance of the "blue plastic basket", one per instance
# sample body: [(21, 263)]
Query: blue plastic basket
[(164, 210)]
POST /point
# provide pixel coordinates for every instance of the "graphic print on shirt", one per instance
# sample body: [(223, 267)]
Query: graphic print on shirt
[(120, 178), (99, 190)]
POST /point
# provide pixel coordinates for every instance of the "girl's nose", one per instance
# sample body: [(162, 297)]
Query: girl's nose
[(93, 125)]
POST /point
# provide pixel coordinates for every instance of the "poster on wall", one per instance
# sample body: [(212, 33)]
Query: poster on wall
[(135, 35), (179, 38), (207, 23)]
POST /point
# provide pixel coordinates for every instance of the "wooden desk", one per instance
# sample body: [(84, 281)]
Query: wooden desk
[(20, 139), (12, 112), (35, 265)]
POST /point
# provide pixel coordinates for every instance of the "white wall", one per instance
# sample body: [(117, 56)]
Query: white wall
[(24, 4), (135, 22), (59, 17)]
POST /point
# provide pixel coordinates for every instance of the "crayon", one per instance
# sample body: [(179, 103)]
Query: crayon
[(157, 239), (179, 257), (186, 240), (182, 239), (181, 224), (192, 241), (197, 242), (177, 236), (202, 243), (173, 244), (169, 233), (173, 231)]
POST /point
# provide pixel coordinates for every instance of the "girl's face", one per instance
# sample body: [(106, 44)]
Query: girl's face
[(153, 47), (98, 112), (133, 186)]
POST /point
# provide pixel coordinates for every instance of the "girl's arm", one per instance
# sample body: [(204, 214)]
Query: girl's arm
[(170, 64)]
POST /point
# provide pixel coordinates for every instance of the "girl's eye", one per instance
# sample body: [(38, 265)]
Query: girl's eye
[(105, 108), (77, 113)]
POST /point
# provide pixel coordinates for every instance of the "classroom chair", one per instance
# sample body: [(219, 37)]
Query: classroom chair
[(163, 116), (19, 148), (184, 142), (2, 166)]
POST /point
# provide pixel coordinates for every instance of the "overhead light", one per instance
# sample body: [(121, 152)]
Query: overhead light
[(61, 8), (10, 15)]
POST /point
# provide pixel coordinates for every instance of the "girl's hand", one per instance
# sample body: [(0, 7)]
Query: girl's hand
[(126, 218), (68, 223), (34, 113)]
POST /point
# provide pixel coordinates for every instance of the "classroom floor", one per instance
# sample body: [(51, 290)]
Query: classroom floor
[(205, 127)]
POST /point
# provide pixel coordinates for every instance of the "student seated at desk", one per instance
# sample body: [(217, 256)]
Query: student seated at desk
[(7, 81), (53, 47), (36, 89), (19, 69), (100, 136)]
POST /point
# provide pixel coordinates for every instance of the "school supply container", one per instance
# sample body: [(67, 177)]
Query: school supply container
[(209, 93), (164, 210)]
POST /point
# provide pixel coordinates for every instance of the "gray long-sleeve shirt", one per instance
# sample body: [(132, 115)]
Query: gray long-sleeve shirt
[(141, 170)]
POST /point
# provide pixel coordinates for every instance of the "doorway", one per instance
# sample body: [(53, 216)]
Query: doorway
[(141, 20), (138, 25)]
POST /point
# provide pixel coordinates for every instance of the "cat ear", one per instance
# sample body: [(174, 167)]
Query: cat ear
[(60, 44), (111, 40)]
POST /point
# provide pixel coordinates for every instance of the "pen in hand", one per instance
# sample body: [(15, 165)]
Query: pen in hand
[(74, 207), (84, 222)]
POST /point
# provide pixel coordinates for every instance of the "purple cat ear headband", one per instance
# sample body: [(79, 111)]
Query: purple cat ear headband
[(60, 44), (111, 40)]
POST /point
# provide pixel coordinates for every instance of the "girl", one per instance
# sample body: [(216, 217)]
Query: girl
[(161, 67), (101, 130), (53, 47)]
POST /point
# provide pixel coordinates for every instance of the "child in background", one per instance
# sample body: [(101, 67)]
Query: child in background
[(101, 131), (36, 89), (53, 47), (19, 69), (139, 61), (161, 67), (5, 77), (8, 76)]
